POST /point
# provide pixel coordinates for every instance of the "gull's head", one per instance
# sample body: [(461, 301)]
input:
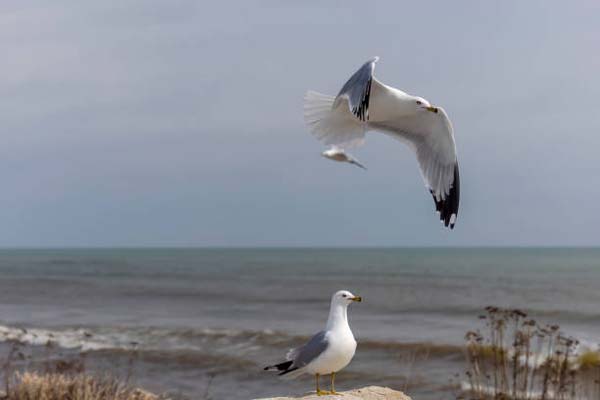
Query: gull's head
[(344, 298), (423, 105)]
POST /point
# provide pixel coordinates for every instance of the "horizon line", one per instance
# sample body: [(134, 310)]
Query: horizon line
[(291, 247)]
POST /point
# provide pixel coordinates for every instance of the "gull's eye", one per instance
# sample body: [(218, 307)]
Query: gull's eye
[(419, 102), (343, 295)]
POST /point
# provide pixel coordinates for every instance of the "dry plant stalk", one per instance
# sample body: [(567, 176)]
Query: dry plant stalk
[(53, 386), (62, 378), (521, 360)]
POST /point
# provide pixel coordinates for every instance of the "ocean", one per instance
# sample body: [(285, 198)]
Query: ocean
[(202, 323)]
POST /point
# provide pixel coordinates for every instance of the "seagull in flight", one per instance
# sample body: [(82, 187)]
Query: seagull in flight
[(366, 104), (337, 154), (328, 351)]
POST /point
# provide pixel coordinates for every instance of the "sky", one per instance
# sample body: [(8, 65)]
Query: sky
[(179, 123)]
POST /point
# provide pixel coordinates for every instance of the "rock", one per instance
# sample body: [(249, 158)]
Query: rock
[(366, 393)]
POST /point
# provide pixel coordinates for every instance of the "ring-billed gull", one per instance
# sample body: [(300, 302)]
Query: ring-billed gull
[(337, 154), (365, 104), (328, 351)]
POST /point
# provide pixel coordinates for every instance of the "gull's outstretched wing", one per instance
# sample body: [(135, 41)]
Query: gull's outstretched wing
[(357, 90), (431, 137)]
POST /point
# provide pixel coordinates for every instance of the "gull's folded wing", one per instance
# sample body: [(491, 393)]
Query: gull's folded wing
[(303, 355), (358, 89), (431, 137)]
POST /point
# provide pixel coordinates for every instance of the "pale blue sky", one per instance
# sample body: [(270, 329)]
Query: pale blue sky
[(180, 122)]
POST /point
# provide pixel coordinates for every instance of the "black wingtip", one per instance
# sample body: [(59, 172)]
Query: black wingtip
[(284, 366), (362, 110), (448, 206)]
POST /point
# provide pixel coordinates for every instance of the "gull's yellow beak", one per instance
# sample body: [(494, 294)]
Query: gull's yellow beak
[(432, 109), (356, 298)]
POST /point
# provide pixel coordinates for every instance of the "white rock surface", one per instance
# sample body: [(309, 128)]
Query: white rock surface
[(366, 393)]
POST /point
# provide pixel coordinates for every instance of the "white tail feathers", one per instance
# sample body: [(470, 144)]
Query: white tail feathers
[(335, 127)]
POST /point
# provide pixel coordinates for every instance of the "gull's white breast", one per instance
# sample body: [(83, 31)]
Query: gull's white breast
[(339, 353)]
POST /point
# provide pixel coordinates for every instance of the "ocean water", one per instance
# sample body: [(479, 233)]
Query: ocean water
[(206, 321)]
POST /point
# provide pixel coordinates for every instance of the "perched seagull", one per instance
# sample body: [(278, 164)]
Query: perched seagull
[(337, 154), (328, 351), (365, 104)]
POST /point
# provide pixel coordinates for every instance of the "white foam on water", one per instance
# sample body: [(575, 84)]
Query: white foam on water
[(68, 338), (228, 340)]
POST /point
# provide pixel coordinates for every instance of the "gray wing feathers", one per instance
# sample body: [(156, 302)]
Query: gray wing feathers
[(358, 90), (311, 350), (431, 137)]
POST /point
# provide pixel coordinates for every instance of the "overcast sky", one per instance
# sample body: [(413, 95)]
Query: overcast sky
[(168, 123)]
